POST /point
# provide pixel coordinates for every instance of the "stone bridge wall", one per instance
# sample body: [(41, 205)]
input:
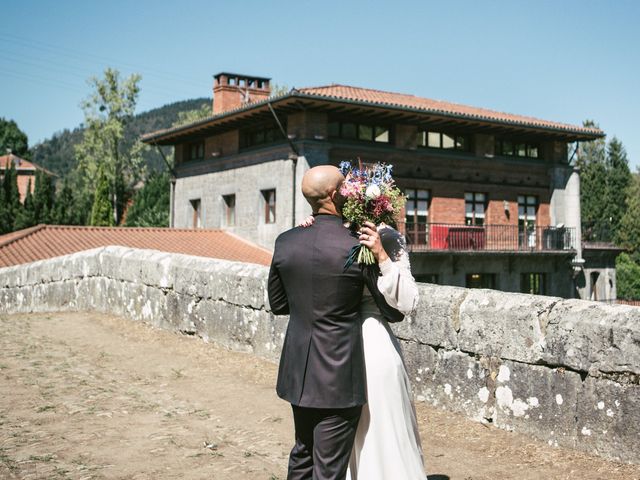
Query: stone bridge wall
[(565, 371)]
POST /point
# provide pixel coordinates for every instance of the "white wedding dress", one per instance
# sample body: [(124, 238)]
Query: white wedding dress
[(387, 444)]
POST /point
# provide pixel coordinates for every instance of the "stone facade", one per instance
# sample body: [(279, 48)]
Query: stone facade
[(246, 185), (564, 371), (447, 176)]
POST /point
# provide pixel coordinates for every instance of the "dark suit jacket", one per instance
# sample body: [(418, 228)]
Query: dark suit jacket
[(322, 362)]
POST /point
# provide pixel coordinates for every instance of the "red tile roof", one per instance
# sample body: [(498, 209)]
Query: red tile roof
[(371, 98), (47, 241), (382, 98), (20, 163)]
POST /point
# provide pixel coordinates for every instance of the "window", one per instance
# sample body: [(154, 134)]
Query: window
[(481, 280), (229, 214), (593, 278), (365, 132), (197, 216), (527, 207), (417, 215), (517, 149), (196, 151), (261, 135), (533, 283), (269, 200), (445, 141), (427, 278), (474, 208)]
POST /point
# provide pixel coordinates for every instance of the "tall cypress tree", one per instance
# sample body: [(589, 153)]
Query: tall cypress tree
[(4, 212), (26, 217), (593, 180), (11, 196), (618, 182), (43, 197), (64, 212), (102, 213)]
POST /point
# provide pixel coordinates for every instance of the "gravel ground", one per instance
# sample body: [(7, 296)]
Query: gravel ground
[(89, 396)]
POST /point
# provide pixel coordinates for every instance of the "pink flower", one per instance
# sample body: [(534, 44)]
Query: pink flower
[(381, 205)]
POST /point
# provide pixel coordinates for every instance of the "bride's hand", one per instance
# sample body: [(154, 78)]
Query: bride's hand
[(369, 237), (307, 222)]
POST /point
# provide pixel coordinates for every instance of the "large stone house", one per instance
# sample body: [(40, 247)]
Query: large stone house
[(493, 198)]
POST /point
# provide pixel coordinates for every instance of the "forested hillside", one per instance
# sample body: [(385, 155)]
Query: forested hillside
[(57, 154)]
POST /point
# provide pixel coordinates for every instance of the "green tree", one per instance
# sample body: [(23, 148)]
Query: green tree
[(191, 116), (101, 212), (4, 215), (627, 278), (617, 184), (10, 197), (108, 110), (628, 235), (43, 198), (65, 210), (12, 138), (26, 216), (593, 190), (151, 203), (278, 89)]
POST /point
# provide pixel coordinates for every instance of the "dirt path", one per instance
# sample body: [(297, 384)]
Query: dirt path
[(87, 396)]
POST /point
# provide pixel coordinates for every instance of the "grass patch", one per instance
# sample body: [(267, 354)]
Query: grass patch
[(8, 461), (41, 458)]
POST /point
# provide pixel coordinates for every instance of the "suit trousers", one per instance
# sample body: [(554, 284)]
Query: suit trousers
[(324, 440)]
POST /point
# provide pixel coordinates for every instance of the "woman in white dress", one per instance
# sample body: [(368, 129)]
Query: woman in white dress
[(387, 444)]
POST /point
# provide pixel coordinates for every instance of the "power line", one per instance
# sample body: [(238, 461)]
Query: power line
[(86, 76), (84, 56)]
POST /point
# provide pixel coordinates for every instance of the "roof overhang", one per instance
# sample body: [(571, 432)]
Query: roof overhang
[(385, 113)]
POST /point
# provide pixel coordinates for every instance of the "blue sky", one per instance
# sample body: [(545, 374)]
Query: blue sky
[(565, 60)]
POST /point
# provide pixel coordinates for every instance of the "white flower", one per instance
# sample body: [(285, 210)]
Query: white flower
[(373, 191)]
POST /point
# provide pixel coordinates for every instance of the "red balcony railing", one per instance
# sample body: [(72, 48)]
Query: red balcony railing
[(446, 236)]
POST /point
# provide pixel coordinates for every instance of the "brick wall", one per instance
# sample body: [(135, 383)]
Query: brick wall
[(23, 184), (406, 136), (308, 125), (225, 144)]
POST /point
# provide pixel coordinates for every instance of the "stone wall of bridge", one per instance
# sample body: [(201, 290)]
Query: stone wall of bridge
[(564, 371)]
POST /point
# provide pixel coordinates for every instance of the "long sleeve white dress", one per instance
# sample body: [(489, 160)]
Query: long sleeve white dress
[(387, 444)]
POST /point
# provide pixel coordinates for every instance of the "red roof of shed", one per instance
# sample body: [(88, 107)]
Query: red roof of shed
[(47, 241)]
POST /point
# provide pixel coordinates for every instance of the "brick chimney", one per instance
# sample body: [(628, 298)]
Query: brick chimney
[(231, 91)]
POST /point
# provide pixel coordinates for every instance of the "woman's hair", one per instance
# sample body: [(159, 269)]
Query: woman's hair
[(393, 242)]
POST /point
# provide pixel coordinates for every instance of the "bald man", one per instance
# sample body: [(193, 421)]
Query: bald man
[(321, 369)]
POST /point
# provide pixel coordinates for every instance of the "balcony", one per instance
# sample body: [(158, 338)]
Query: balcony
[(423, 237)]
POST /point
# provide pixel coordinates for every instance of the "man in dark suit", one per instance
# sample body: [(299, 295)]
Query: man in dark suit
[(321, 369)]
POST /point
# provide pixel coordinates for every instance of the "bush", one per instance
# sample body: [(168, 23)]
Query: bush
[(150, 206), (627, 277)]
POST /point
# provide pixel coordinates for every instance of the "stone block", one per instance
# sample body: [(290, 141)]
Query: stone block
[(148, 267), (505, 325), (608, 419), (238, 283), (461, 384), (436, 319), (594, 337), (537, 400)]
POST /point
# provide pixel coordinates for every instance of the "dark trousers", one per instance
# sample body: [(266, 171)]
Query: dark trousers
[(324, 439)]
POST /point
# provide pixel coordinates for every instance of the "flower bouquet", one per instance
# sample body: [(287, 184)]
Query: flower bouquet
[(371, 195)]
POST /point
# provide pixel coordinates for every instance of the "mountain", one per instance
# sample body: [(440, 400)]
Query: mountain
[(58, 155)]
